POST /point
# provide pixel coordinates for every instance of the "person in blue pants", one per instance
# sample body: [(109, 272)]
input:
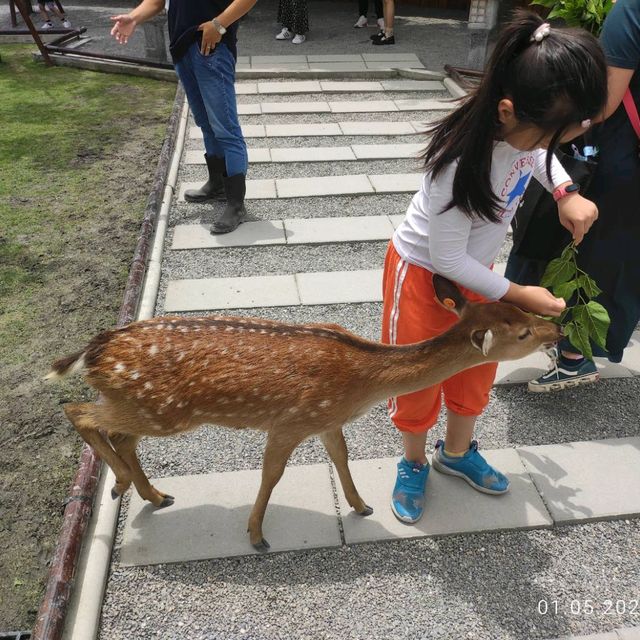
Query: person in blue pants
[(203, 37)]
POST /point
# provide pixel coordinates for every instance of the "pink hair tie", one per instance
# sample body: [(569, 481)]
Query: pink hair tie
[(541, 33)]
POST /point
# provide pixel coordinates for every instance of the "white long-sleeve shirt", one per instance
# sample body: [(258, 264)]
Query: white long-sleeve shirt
[(452, 244)]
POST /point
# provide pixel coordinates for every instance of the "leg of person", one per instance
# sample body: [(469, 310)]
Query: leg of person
[(466, 395), (213, 189), (389, 17), (285, 18), (215, 74), (300, 21), (410, 314), (363, 9), (46, 24), (380, 14)]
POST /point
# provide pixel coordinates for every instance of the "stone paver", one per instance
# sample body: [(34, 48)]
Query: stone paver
[(340, 287), (249, 109), (390, 57), (303, 130), (334, 58), (203, 294), (278, 59), (348, 87), (312, 154), (338, 66), (381, 151), (256, 189), (249, 234), (566, 477), (323, 186), (248, 131), (295, 107), (452, 506), (396, 183), (246, 89), (347, 229), (400, 64), (363, 106), (377, 128), (425, 105), (209, 517), (303, 86), (412, 85)]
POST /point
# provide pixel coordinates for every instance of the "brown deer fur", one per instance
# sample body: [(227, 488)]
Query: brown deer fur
[(168, 375)]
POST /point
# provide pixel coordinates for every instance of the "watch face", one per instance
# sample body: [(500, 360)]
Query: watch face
[(572, 187)]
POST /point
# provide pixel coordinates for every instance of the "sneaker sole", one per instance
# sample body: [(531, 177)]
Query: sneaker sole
[(438, 466), (564, 384), (404, 519)]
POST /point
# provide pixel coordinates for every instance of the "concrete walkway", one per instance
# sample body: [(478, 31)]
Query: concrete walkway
[(477, 566)]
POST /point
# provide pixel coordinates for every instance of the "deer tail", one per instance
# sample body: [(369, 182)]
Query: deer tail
[(66, 366)]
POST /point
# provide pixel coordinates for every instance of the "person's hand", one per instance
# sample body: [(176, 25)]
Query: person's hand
[(535, 299), (577, 214), (124, 26), (210, 38)]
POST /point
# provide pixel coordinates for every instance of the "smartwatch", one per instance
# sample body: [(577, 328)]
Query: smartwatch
[(563, 192), (219, 28)]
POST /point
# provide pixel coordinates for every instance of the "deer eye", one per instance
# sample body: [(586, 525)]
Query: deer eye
[(524, 335)]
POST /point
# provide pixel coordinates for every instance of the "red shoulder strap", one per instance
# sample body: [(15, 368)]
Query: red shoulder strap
[(632, 112)]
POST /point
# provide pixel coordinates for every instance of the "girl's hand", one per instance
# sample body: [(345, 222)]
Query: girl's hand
[(535, 299), (124, 26), (577, 214), (210, 38)]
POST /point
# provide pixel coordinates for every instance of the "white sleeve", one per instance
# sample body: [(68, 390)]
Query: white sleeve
[(448, 238), (558, 174)]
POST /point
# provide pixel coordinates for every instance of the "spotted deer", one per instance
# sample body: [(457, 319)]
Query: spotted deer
[(167, 375)]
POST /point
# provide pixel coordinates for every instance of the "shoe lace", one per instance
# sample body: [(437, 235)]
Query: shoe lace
[(554, 356)]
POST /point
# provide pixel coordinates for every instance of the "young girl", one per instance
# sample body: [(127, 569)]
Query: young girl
[(542, 86)]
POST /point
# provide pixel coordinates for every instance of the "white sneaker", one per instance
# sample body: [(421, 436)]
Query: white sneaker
[(362, 22), (381, 23), (46, 26), (299, 39), (285, 34), (66, 24)]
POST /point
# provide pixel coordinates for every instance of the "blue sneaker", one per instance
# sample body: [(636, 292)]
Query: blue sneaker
[(471, 467), (565, 374), (407, 501)]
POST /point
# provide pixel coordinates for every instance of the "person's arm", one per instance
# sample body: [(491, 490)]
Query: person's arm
[(618, 80), (210, 34), (126, 23)]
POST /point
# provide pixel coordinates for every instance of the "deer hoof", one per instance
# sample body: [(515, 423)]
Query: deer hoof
[(166, 502), (263, 546), (367, 511)]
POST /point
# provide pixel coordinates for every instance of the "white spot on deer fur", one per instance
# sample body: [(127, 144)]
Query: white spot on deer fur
[(314, 414), (325, 403), (181, 355), (159, 326), (156, 426), (263, 331), (182, 404), (293, 409), (266, 397), (135, 375), (239, 399), (228, 328), (184, 329), (229, 415), (191, 384), (153, 349), (119, 367), (148, 385)]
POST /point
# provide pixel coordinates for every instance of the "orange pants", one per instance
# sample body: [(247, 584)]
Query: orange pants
[(410, 314)]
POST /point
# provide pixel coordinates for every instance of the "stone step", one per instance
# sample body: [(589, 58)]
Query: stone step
[(324, 186), (322, 154), (550, 485), (330, 62), (328, 86), (291, 231), (345, 106), (323, 129)]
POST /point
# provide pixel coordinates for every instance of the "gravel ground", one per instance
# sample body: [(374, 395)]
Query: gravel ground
[(485, 586)]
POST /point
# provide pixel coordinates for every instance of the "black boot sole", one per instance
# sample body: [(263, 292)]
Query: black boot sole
[(213, 196)]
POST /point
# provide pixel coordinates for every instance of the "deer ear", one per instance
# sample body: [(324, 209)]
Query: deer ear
[(482, 340), (448, 294)]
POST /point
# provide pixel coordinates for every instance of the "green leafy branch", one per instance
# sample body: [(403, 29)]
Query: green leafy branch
[(588, 14), (586, 320)]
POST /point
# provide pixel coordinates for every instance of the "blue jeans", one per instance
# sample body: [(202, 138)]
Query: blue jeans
[(209, 83)]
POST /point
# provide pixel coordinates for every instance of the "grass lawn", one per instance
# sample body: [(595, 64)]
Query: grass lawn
[(78, 151)]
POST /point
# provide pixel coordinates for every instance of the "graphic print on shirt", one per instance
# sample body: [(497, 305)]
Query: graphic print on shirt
[(515, 185)]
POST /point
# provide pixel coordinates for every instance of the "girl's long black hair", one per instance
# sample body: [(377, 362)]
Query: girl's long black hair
[(553, 84)]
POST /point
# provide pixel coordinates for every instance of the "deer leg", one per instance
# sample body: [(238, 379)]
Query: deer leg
[(81, 416), (125, 445), (337, 449), (276, 454)]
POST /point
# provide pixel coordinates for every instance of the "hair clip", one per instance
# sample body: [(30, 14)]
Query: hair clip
[(541, 33), (586, 123)]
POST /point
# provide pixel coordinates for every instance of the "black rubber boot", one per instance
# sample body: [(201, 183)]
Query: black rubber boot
[(235, 212), (213, 188)]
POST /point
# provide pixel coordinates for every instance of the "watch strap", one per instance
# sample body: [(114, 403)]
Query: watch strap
[(563, 192), (220, 29)]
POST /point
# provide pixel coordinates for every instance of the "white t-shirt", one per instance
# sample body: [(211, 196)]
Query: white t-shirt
[(452, 244)]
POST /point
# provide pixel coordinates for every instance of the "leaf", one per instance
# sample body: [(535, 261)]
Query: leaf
[(565, 290), (557, 272), (569, 252), (589, 286), (578, 335), (596, 319)]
